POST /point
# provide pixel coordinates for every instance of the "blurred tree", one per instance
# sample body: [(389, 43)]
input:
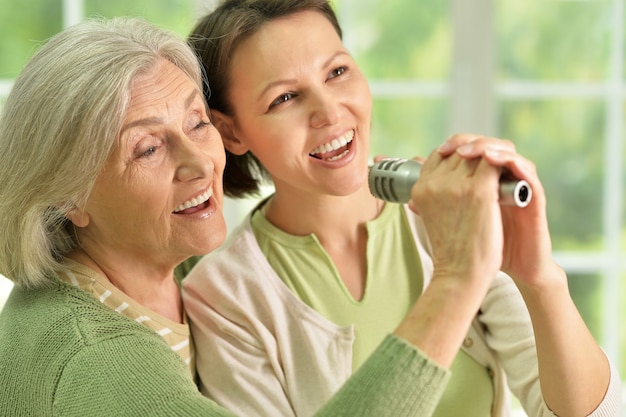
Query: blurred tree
[(564, 138), (24, 26), (553, 40), (175, 15)]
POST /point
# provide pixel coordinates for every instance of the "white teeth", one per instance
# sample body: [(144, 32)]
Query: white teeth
[(334, 145), (195, 201)]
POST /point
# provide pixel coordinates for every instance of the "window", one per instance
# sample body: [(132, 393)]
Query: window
[(547, 74)]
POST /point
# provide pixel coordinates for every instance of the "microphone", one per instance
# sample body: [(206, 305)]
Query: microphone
[(391, 180)]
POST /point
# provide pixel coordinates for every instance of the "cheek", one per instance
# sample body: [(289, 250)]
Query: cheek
[(131, 202), (148, 196), (364, 96), (359, 97), (219, 156), (270, 137)]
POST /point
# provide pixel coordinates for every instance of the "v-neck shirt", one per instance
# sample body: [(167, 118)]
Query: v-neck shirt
[(392, 284)]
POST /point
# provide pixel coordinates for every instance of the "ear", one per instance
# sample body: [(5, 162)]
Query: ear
[(226, 126), (79, 217)]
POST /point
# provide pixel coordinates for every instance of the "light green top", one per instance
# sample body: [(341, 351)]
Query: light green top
[(393, 284), (305, 267)]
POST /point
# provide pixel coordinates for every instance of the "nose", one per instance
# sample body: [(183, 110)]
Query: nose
[(193, 162), (325, 109)]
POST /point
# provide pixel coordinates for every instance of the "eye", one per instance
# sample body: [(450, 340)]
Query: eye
[(282, 99), (149, 152), (337, 72), (199, 130), (202, 125), (147, 147)]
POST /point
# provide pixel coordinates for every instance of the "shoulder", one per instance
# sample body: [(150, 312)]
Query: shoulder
[(69, 315), (238, 259), (59, 342), (238, 281)]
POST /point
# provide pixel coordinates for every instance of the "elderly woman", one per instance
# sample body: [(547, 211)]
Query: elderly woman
[(111, 176)]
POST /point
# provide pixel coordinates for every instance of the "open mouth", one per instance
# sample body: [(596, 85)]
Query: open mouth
[(195, 204), (335, 149)]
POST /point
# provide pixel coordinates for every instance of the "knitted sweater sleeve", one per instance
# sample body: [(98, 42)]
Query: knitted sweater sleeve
[(396, 381), (63, 353), (129, 376), (122, 377)]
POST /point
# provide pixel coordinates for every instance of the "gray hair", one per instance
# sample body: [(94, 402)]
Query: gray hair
[(59, 124)]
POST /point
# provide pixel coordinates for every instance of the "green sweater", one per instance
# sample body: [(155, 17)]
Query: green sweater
[(63, 353)]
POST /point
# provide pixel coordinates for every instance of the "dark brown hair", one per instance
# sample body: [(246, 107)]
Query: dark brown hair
[(215, 38)]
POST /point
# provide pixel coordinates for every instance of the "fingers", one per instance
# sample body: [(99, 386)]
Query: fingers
[(455, 180), (468, 147), (473, 146), (498, 152), (458, 158), (453, 164), (378, 158)]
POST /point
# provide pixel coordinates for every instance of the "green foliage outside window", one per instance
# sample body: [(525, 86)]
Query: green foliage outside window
[(556, 40), (23, 27), (175, 15)]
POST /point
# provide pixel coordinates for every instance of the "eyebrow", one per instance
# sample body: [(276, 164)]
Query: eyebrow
[(293, 81), (155, 120)]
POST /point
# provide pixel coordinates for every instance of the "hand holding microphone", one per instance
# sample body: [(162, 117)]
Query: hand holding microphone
[(391, 180)]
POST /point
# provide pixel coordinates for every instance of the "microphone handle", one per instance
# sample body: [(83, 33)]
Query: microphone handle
[(391, 180)]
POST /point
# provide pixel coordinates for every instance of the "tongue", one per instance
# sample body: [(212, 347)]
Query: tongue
[(194, 209), (327, 155)]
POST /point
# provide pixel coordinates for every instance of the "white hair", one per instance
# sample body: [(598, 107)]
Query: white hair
[(59, 124)]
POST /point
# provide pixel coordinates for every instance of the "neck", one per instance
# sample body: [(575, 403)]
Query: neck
[(339, 223), (330, 218), (151, 286)]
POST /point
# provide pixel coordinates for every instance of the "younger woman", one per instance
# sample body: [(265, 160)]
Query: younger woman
[(320, 272)]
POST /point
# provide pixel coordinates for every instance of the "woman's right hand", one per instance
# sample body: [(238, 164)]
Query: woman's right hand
[(457, 197)]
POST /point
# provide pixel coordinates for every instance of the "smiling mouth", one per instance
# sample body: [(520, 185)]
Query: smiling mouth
[(335, 149), (195, 204)]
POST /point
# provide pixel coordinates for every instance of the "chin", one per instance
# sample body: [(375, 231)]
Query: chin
[(350, 188), (212, 241)]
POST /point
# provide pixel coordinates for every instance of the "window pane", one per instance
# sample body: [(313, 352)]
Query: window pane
[(399, 39), (23, 26), (564, 138), (553, 40), (586, 291), (175, 15), (405, 128)]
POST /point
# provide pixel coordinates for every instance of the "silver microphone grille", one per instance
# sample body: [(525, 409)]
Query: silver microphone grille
[(391, 179)]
